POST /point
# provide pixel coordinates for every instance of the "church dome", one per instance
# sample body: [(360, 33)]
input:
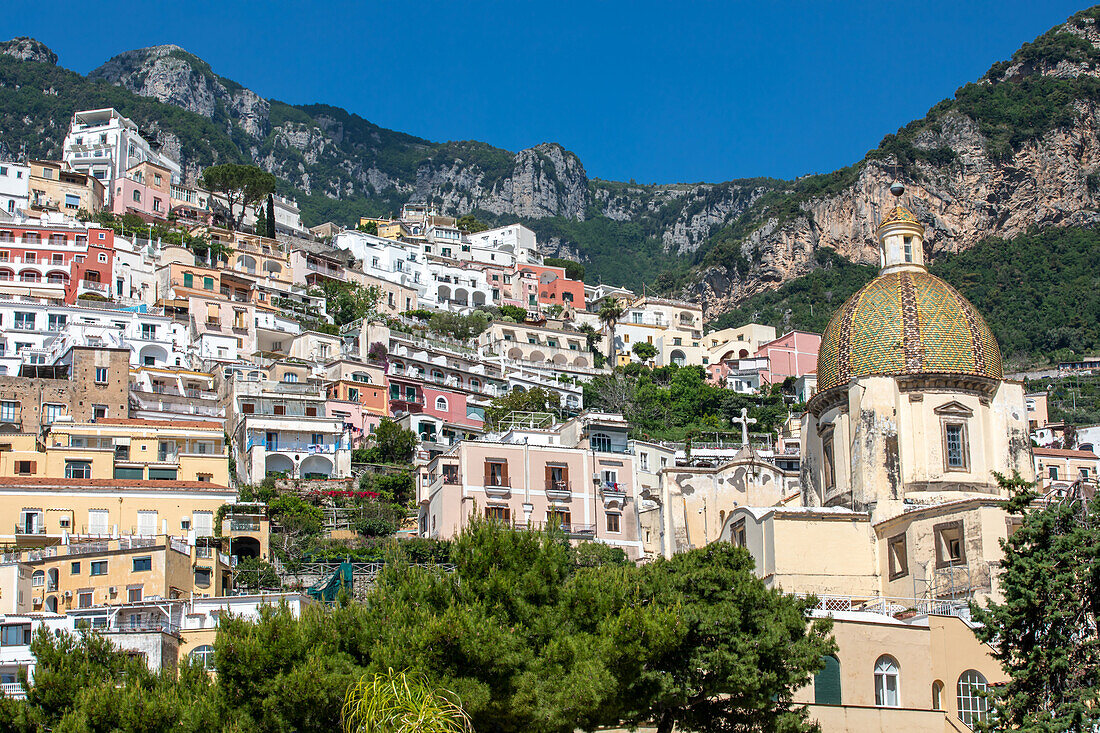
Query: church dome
[(906, 322)]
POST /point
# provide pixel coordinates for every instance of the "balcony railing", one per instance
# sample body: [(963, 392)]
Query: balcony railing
[(93, 286), (13, 690), (298, 447)]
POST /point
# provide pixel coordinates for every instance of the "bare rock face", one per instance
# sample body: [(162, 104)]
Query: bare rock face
[(172, 75), (547, 180), (1044, 183), (28, 49)]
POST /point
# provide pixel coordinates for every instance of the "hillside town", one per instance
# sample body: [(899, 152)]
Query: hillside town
[(207, 408)]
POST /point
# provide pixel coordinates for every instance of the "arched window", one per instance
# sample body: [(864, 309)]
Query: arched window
[(886, 682), (204, 656), (827, 682), (937, 695), (601, 443), (973, 707), (441, 404), (290, 377), (475, 384), (437, 376), (38, 577)]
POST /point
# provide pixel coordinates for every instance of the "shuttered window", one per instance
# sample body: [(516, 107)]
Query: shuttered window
[(827, 683)]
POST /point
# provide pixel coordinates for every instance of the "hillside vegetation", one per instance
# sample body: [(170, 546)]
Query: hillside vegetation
[(1039, 292)]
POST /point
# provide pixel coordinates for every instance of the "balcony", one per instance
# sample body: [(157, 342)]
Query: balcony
[(13, 690), (295, 446), (89, 286), (452, 479), (497, 486), (559, 490)]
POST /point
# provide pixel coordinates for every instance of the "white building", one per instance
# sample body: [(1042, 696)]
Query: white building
[(14, 188), (104, 144), (39, 333), (515, 240), (401, 263)]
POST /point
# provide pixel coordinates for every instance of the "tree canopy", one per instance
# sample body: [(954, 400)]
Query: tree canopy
[(242, 185)]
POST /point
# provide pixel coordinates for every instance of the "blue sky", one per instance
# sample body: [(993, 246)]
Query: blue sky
[(654, 91)]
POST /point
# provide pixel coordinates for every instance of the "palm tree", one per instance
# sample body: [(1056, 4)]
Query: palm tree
[(401, 702), (610, 313)]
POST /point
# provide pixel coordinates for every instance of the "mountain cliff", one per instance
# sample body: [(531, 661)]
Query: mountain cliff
[(1018, 149)]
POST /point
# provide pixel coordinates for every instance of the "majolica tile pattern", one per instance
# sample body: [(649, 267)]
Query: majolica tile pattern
[(907, 322)]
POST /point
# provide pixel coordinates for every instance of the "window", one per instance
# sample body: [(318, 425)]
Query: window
[(101, 375), (25, 468), (137, 196), (188, 280), (601, 443), (954, 446), (737, 534), (1052, 471), (24, 321), (74, 568), (973, 707), (99, 412), (908, 245), (827, 682), (558, 518), (203, 656), (38, 578), (148, 331), (290, 377), (56, 322), (8, 411), (84, 599), (899, 557), (441, 404), (937, 695), (97, 521), (886, 683), (98, 567), (500, 514), (208, 283), (613, 522), (147, 521), (202, 577), (950, 548), (133, 595), (15, 635), (78, 469), (830, 465), (496, 473), (203, 523)]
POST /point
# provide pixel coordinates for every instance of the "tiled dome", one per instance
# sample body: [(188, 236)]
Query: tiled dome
[(907, 322)]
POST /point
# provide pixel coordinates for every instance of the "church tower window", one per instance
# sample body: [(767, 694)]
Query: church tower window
[(955, 446), (830, 463)]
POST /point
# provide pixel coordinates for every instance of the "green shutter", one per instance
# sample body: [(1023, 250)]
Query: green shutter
[(827, 683), (129, 473), (208, 283), (162, 474), (188, 280)]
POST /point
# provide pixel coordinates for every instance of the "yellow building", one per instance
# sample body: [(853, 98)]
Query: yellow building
[(119, 570), (54, 187), (44, 511), (393, 230), (109, 448)]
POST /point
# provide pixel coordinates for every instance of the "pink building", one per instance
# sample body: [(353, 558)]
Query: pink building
[(577, 475), (793, 354), (146, 191)]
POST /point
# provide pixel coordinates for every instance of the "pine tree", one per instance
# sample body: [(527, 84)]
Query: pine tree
[(1045, 630)]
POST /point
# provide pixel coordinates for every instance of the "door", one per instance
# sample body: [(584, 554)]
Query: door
[(272, 440)]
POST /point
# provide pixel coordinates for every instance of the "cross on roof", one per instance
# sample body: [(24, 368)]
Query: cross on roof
[(744, 421)]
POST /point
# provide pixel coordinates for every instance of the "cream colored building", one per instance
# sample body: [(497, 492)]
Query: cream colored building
[(921, 674), (736, 343), (522, 342), (673, 327)]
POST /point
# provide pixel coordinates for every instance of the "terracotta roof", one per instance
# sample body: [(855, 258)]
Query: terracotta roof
[(107, 483), (201, 425), (1063, 453)]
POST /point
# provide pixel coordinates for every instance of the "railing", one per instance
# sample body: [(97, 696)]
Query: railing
[(94, 286), (893, 607), (13, 690), (496, 482), (296, 446), (452, 479), (562, 486), (417, 400), (179, 545), (143, 626), (23, 529), (244, 525)]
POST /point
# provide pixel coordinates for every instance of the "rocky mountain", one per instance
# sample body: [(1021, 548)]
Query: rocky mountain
[(340, 166), (1018, 149), (1014, 150)]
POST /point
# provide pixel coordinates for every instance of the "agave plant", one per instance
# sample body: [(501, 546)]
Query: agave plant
[(400, 702)]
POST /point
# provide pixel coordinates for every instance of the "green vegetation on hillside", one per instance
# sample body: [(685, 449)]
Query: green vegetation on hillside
[(1039, 292), (1073, 399), (528, 632)]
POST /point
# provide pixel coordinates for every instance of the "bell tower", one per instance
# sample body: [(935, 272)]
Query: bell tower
[(901, 238)]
